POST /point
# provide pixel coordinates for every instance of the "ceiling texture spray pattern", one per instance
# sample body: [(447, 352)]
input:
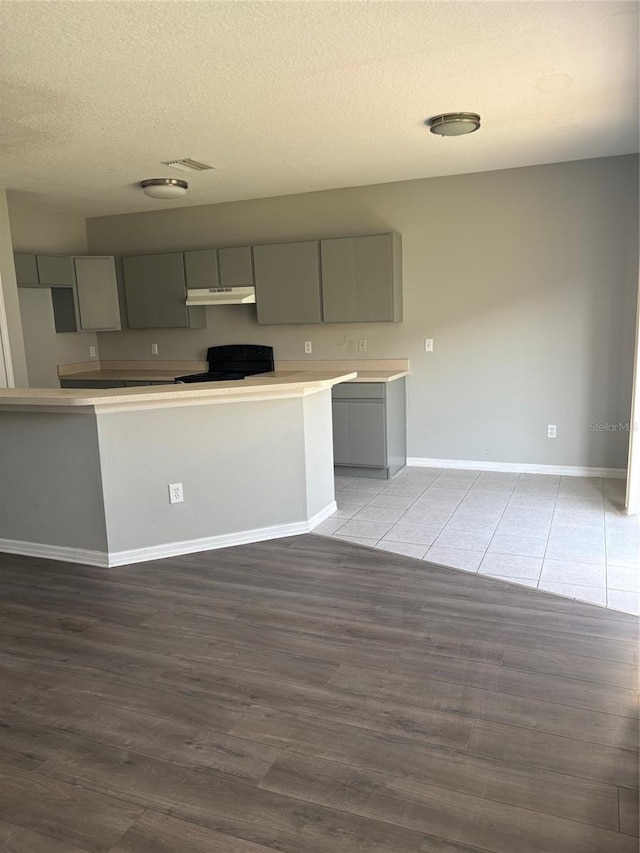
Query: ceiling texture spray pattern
[(297, 96)]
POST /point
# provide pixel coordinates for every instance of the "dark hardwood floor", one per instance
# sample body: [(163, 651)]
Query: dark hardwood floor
[(309, 695)]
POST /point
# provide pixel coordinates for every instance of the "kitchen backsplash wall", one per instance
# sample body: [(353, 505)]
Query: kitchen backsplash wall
[(526, 279), (43, 231)]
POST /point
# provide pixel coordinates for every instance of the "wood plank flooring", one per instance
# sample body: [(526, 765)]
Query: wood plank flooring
[(309, 695)]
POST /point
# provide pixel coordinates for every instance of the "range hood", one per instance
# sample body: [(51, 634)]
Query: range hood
[(221, 296)]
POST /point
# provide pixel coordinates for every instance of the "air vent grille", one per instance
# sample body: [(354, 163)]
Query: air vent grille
[(187, 165)]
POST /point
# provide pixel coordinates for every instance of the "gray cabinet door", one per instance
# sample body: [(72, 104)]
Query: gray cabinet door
[(236, 266), (97, 293), (375, 278), (55, 271), (201, 268), (362, 279), (339, 280), (288, 283), (369, 428), (367, 440), (155, 289), (171, 291), (64, 309), (340, 415), (26, 270), (140, 273)]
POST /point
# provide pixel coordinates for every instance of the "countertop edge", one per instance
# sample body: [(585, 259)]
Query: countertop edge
[(252, 388)]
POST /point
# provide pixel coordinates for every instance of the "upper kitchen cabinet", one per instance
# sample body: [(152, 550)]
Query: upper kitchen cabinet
[(97, 294), (201, 269), (26, 269), (43, 270), (55, 271), (155, 288), (236, 266), (232, 267), (287, 278), (362, 279)]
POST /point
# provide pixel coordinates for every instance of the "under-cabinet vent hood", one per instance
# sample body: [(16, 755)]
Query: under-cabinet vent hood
[(221, 296)]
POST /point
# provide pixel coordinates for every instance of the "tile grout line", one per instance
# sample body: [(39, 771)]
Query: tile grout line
[(546, 545), (606, 558), (498, 524)]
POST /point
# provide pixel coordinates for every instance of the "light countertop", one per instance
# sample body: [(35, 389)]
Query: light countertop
[(285, 383), (368, 370), (132, 371)]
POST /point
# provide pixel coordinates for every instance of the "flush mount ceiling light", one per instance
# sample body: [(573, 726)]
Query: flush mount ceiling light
[(166, 188), (454, 124)]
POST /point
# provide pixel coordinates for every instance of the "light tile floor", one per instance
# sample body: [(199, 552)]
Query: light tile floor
[(568, 535)]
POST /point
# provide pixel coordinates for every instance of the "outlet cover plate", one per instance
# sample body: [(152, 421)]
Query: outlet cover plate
[(175, 493)]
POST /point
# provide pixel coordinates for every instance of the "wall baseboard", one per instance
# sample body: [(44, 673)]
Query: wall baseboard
[(517, 467), (61, 553), (102, 559)]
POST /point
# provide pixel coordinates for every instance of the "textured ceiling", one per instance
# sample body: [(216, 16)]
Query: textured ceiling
[(297, 96)]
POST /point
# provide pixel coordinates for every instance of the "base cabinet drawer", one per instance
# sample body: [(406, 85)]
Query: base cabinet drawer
[(369, 428)]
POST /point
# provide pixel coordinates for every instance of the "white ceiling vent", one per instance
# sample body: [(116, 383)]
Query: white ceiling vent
[(187, 165)]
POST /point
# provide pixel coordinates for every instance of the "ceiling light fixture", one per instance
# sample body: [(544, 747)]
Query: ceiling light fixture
[(454, 124), (166, 188)]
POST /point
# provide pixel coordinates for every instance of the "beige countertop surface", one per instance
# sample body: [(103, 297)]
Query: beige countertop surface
[(265, 386), (133, 371), (368, 370)]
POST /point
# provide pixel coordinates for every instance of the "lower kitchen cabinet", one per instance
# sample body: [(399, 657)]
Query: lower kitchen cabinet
[(109, 383), (369, 428), (92, 383)]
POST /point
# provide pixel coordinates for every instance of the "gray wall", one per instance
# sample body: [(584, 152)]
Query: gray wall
[(525, 278), (318, 453), (241, 465), (46, 231), (50, 485)]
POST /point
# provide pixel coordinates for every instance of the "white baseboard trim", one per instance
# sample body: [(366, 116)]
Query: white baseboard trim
[(517, 467), (169, 549), (321, 516), (54, 552)]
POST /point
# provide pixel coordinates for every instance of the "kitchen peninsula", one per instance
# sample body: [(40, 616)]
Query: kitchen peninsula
[(86, 473)]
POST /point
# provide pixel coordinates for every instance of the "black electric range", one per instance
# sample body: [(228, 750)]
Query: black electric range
[(233, 361)]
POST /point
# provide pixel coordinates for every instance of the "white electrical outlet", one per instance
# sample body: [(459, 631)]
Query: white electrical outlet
[(154, 349), (551, 431), (175, 493), (428, 344), (307, 347), (92, 352), (362, 345)]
